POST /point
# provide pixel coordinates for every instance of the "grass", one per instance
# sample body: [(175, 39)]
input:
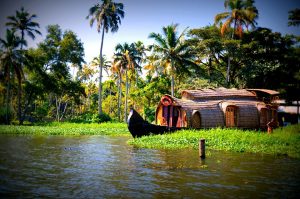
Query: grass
[(283, 141), (55, 128)]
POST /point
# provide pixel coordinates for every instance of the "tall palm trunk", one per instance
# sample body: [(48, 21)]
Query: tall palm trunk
[(228, 61), (227, 71), (7, 117), (126, 95), (172, 85), (20, 86), (22, 37), (172, 79), (20, 101), (100, 75), (119, 97)]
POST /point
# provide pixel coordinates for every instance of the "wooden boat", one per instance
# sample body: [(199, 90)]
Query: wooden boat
[(138, 127)]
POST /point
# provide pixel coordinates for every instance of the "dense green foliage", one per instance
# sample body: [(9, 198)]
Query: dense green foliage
[(283, 141), (55, 128), (40, 84)]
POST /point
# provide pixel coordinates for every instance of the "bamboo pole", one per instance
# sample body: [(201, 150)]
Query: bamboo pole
[(202, 148)]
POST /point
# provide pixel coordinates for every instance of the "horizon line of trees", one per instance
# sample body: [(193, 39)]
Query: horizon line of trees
[(37, 85)]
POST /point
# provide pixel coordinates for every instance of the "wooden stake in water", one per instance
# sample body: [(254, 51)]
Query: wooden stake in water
[(202, 148)]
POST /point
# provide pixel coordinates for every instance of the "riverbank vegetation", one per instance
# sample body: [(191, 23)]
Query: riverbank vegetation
[(283, 141), (58, 128), (39, 84)]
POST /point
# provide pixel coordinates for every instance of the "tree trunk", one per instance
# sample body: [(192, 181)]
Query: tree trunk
[(298, 117), (100, 75), (57, 102), (172, 79), (228, 70), (7, 117), (209, 69), (110, 101), (22, 37), (19, 102), (89, 102), (63, 113), (126, 95), (27, 106), (137, 77), (228, 61), (119, 97)]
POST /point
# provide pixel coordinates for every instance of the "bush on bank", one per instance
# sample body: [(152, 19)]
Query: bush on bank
[(56, 128)]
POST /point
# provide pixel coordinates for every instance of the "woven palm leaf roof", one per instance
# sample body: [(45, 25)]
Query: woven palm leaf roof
[(216, 93)]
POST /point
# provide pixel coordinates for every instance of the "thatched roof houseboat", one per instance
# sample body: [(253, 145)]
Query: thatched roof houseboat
[(220, 107)]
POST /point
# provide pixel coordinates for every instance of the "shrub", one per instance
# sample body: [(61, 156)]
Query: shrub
[(101, 118), (149, 113), (3, 115), (90, 118)]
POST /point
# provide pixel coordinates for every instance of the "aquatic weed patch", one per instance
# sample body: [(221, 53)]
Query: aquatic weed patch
[(113, 129), (283, 141)]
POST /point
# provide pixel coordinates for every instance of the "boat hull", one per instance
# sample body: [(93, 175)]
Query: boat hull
[(138, 127)]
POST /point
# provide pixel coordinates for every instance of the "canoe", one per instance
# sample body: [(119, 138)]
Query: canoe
[(139, 127)]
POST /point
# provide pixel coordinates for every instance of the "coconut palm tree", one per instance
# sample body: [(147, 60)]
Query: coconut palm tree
[(129, 59), (10, 63), (141, 52), (108, 16), (241, 13), (116, 71), (172, 52), (105, 65), (23, 22), (151, 65), (251, 14)]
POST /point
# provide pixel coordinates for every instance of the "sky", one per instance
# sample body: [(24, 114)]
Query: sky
[(141, 18)]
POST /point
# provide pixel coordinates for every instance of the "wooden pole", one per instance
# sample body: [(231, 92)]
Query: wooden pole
[(202, 148)]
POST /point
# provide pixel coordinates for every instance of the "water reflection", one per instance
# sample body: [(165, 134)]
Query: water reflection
[(105, 167)]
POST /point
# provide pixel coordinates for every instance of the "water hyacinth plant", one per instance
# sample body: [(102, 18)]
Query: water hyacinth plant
[(283, 141)]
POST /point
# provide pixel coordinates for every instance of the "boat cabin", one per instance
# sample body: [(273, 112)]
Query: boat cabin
[(220, 107)]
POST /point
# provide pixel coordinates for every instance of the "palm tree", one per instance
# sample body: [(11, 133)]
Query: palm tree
[(172, 51), (152, 65), (242, 13), (105, 65), (108, 15), (129, 59), (10, 62), (85, 75), (251, 14), (23, 21), (141, 52), (116, 71)]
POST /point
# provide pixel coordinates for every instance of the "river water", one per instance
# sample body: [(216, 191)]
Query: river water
[(107, 167)]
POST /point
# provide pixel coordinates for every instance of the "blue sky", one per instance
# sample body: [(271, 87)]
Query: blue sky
[(141, 18)]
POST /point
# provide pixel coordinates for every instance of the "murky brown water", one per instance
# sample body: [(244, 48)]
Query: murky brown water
[(106, 167)]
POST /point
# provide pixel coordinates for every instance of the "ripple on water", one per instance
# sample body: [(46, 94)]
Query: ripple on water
[(99, 166)]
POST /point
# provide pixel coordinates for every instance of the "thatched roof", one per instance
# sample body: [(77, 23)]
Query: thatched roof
[(266, 91), (217, 93)]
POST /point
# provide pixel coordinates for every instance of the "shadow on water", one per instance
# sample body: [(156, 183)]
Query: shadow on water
[(97, 166)]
